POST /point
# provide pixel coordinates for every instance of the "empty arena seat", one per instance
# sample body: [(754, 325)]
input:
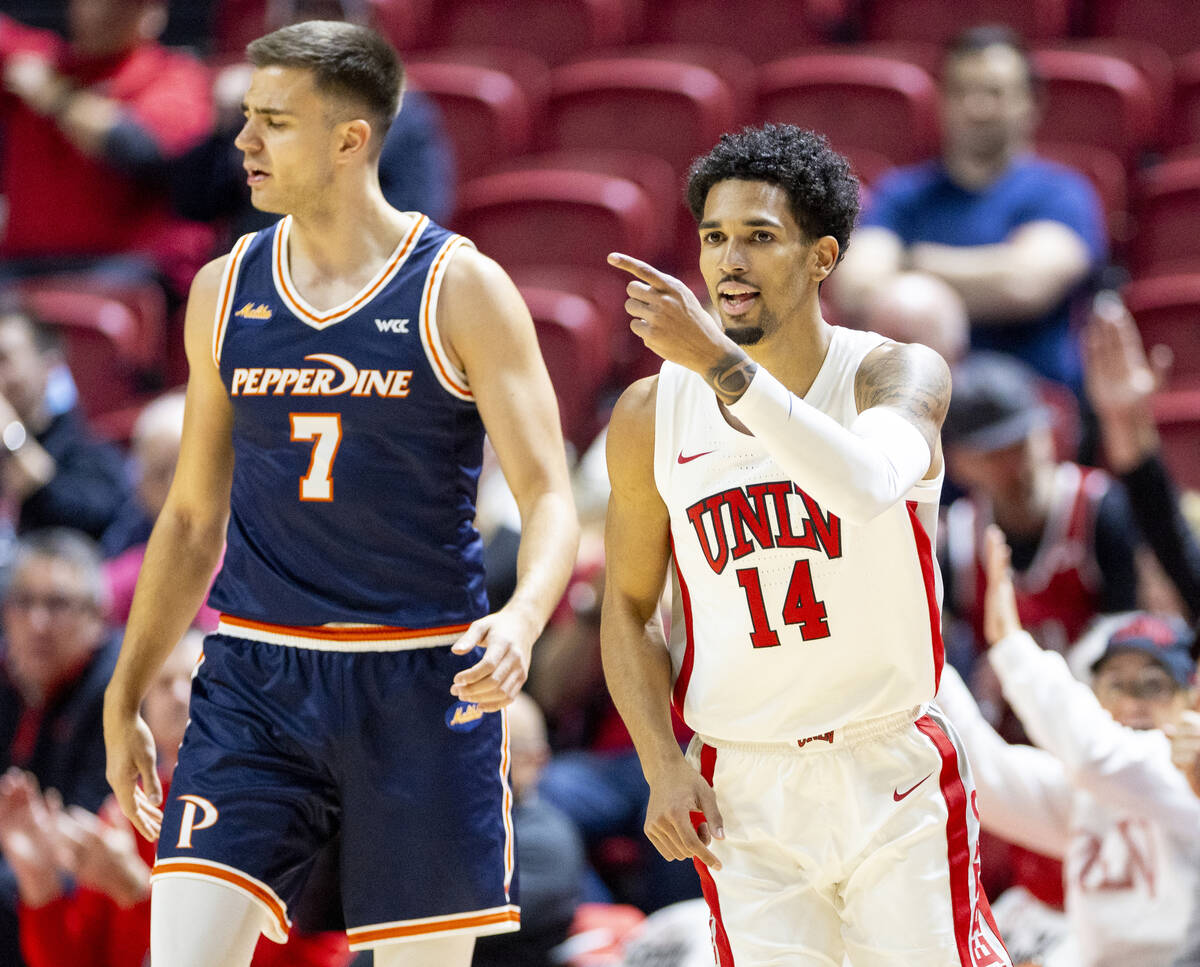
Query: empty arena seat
[(1166, 214), (937, 22), (531, 73), (1167, 311), (1173, 25), (485, 112), (1097, 100), (665, 108), (1183, 127), (574, 337), (555, 30), (544, 216), (760, 29), (1150, 60), (1178, 418), (876, 104), (403, 22)]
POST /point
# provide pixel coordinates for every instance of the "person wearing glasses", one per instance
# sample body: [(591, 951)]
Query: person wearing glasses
[(1099, 790)]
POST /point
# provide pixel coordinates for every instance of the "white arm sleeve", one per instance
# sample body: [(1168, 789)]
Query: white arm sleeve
[(1023, 792), (1120, 766), (858, 472)]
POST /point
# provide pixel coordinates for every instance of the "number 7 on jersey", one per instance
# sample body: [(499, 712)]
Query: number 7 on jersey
[(326, 430)]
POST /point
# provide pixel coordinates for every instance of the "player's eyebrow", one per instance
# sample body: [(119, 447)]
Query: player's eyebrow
[(273, 111), (759, 222)]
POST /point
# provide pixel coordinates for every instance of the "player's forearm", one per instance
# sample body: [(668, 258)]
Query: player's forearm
[(549, 543), (856, 472), (180, 558), (637, 669)]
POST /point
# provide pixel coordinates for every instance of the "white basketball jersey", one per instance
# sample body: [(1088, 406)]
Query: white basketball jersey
[(788, 621)]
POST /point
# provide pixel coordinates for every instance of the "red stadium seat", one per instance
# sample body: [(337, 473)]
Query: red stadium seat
[(672, 110), (1173, 25), (574, 337), (760, 29), (1183, 128), (1166, 214), (1178, 417), (1107, 175), (862, 103), (732, 66), (1097, 100), (555, 30), (485, 112), (404, 22), (1150, 60), (1167, 311), (937, 22), (574, 217), (102, 341), (531, 73)]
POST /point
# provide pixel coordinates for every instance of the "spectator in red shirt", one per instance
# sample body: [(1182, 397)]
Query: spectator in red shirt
[(90, 125), (103, 919)]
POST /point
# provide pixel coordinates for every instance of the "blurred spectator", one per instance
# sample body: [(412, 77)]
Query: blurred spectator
[(90, 126), (53, 473), (550, 858), (1100, 790), (1072, 534), (154, 451), (1121, 382), (416, 165), (1015, 236), (58, 658), (916, 307), (100, 917)]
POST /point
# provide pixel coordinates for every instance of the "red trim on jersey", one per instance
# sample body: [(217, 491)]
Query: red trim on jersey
[(721, 948), (925, 555), (679, 692), (958, 846)]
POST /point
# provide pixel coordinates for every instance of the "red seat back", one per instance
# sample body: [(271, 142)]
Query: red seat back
[(937, 22), (1167, 311)]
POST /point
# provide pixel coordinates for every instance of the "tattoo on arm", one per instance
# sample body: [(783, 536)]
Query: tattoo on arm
[(914, 381), (730, 377)]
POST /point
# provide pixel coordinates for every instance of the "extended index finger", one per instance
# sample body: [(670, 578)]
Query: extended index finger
[(642, 270)]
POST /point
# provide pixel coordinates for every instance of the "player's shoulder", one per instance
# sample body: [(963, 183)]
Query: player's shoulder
[(631, 426), (892, 366)]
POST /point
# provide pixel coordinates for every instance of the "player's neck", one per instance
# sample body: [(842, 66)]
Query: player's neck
[(346, 236), (794, 354)]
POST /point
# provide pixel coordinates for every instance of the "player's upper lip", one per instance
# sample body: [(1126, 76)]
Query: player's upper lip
[(255, 169), (736, 288)]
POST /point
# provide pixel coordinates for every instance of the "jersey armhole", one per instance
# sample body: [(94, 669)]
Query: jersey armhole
[(225, 294), (452, 379)]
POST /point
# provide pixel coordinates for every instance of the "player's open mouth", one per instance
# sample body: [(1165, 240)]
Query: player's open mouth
[(256, 176), (736, 299)]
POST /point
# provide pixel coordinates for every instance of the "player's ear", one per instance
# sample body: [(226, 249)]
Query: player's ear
[(352, 138), (823, 257)]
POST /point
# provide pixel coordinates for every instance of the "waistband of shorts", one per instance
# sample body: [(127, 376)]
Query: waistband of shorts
[(340, 637), (855, 733)]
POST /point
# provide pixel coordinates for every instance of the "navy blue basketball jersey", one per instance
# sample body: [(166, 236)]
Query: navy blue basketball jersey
[(357, 446)]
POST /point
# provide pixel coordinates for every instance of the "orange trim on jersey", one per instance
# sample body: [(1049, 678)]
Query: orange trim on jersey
[(341, 312), (228, 284), (256, 889), (374, 935), (431, 339), (372, 633), (509, 862)]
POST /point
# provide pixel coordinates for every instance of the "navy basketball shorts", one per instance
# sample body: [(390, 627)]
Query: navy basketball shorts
[(289, 745)]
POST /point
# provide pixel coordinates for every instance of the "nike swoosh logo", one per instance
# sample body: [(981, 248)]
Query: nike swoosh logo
[(695, 456), (897, 795)]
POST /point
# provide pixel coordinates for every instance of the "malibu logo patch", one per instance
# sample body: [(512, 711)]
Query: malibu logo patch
[(463, 716)]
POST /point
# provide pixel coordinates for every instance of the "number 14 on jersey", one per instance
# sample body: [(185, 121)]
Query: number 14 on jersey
[(800, 607)]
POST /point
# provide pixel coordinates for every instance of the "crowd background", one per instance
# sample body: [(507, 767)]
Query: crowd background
[(1031, 206)]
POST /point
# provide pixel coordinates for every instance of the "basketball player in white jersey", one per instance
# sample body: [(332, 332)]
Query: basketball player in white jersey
[(786, 472)]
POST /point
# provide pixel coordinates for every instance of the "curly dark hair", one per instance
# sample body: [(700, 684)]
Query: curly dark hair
[(823, 191)]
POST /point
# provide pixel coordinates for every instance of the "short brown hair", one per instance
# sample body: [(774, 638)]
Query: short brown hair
[(347, 61)]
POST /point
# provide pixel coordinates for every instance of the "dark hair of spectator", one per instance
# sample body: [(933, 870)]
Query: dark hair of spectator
[(822, 190), (348, 62), (981, 37), (46, 338), (71, 547)]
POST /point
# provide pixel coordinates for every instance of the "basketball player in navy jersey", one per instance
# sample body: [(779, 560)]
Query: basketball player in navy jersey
[(344, 366), (786, 473)]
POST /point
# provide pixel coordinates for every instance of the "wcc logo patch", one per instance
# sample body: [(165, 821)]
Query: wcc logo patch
[(463, 717)]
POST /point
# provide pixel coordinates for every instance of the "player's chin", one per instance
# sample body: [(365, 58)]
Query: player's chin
[(744, 335)]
